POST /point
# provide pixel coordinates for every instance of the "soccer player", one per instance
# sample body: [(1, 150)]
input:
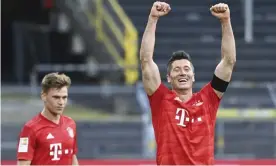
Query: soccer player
[(184, 121), (49, 138)]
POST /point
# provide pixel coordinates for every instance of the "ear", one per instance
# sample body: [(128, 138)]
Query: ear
[(168, 78), (193, 79), (43, 96)]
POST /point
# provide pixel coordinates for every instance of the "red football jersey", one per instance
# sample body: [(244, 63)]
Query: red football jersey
[(184, 131), (46, 143)]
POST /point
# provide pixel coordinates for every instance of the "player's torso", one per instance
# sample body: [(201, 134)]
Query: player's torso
[(55, 144), (184, 131)]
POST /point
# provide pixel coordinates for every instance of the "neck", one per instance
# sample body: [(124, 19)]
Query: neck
[(50, 116), (184, 95)]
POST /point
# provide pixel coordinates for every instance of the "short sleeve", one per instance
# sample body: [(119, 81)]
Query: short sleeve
[(211, 98), (26, 144), (75, 142), (156, 98)]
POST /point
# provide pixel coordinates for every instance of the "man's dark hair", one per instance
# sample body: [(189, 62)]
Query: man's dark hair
[(178, 55)]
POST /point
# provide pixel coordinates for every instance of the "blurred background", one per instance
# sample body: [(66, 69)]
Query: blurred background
[(96, 43)]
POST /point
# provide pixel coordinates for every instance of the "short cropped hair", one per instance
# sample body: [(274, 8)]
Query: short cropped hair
[(55, 80), (178, 55)]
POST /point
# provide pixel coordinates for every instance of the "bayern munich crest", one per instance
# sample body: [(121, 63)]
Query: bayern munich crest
[(70, 132)]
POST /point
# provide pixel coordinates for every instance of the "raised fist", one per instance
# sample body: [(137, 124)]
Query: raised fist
[(221, 11), (159, 9)]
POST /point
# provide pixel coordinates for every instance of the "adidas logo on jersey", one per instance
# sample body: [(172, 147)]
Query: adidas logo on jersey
[(50, 136)]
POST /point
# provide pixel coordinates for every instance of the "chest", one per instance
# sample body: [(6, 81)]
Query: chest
[(191, 115), (56, 138)]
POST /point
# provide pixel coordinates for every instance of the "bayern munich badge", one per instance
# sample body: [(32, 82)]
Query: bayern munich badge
[(70, 132)]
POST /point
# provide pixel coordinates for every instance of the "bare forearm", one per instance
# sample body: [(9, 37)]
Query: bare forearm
[(228, 47), (75, 160), (24, 162), (148, 40)]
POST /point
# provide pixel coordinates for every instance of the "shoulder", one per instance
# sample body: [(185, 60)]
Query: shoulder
[(206, 90), (206, 87), (68, 120), (33, 123), (160, 92), (207, 93)]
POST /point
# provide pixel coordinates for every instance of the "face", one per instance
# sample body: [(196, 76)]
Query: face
[(55, 100), (181, 76)]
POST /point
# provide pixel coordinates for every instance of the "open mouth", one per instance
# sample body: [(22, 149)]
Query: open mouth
[(183, 80)]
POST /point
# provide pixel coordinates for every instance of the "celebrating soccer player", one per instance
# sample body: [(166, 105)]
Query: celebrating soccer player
[(184, 121), (50, 138)]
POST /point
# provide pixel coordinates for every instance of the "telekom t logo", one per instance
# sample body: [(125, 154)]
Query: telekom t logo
[(55, 151), (180, 115)]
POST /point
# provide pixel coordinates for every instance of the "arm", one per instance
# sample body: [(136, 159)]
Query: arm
[(150, 72), (23, 162), (26, 146), (228, 49), (75, 160)]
